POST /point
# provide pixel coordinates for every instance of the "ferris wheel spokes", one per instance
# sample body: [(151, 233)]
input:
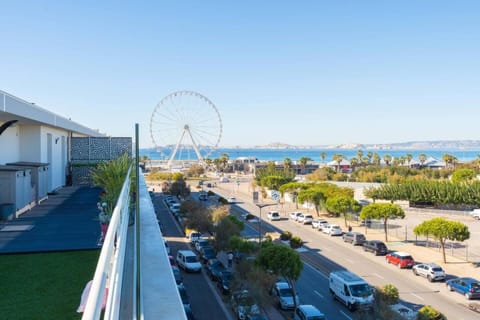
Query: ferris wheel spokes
[(186, 129)]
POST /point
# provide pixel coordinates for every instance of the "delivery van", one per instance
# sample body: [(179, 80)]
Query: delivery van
[(351, 290)]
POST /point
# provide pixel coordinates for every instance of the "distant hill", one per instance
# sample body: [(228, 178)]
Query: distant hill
[(418, 145)]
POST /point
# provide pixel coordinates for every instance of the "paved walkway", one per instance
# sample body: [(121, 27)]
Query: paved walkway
[(67, 220)]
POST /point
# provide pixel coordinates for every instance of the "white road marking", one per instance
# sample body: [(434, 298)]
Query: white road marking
[(344, 314), (318, 293), (377, 275), (417, 296)]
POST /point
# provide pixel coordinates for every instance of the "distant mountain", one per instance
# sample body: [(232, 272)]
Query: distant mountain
[(419, 145)]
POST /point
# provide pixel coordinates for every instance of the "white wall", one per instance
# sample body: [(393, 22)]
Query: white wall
[(58, 161), (29, 143), (9, 145)]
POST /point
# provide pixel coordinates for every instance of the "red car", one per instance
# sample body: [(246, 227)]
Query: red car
[(401, 259)]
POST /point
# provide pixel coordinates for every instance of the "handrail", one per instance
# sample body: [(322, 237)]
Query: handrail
[(111, 261)]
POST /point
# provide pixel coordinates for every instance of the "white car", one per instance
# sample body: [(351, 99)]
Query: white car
[(294, 215), (334, 230), (273, 215), (319, 223), (231, 200), (431, 271), (305, 218)]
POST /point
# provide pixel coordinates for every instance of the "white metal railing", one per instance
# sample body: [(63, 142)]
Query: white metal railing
[(109, 271)]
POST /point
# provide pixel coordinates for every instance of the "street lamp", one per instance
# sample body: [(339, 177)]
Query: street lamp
[(260, 206)]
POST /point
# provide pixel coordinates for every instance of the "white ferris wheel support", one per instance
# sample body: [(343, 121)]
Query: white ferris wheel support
[(186, 129)]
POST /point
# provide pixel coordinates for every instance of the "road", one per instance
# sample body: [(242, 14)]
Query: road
[(325, 254)]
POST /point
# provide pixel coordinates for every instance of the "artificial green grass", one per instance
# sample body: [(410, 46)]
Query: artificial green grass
[(44, 285)]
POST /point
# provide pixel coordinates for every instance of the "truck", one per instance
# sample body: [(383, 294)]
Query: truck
[(351, 290)]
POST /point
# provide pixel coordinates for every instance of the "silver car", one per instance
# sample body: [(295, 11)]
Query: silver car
[(431, 271)]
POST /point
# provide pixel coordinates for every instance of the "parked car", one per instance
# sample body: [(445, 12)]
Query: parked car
[(283, 295), (401, 259), (469, 287), (207, 253), (355, 238), (294, 215), (203, 197), (273, 215), (224, 281), (188, 261), (202, 243), (305, 218), (319, 223), (333, 230), (183, 294), (431, 271), (243, 304), (167, 247), (188, 312), (214, 269), (476, 214), (177, 275), (173, 263), (231, 200), (194, 236), (308, 312), (375, 246)]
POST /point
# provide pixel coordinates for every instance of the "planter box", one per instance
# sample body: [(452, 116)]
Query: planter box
[(7, 211)]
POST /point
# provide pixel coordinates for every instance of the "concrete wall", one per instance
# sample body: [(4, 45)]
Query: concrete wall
[(30, 143)]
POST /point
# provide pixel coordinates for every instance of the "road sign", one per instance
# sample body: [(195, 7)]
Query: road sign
[(275, 195)]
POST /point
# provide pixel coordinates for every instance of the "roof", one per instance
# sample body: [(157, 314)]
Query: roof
[(28, 113)]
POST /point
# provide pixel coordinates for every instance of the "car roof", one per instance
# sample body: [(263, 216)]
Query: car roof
[(187, 252), (310, 310), (402, 254)]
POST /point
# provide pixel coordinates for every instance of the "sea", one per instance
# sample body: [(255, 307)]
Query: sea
[(279, 155)]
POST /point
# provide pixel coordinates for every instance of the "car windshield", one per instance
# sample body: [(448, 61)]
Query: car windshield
[(286, 292), (475, 287), (360, 290), (191, 259)]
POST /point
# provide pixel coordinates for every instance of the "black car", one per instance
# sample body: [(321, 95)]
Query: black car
[(375, 246), (183, 295), (215, 269), (225, 281), (207, 253)]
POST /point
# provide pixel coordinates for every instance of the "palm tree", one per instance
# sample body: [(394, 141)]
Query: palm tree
[(224, 160), (387, 158), (323, 155), (287, 164), (369, 156), (376, 159), (409, 157), (359, 155), (354, 162), (338, 159), (449, 159), (303, 163), (422, 157)]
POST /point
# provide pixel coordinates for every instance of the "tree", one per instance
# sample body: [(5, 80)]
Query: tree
[(443, 230), (382, 211), (303, 163), (387, 158), (323, 155), (449, 159), (312, 195), (354, 162), (376, 159), (282, 261), (359, 155), (462, 175), (227, 227), (342, 205), (338, 159), (110, 176), (287, 164), (369, 156), (408, 157), (422, 157)]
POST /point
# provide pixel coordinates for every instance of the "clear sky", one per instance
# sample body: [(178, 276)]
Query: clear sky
[(296, 72)]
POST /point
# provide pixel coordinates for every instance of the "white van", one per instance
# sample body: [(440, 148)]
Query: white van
[(188, 261), (351, 290)]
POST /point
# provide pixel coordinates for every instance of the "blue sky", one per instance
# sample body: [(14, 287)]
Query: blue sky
[(297, 72)]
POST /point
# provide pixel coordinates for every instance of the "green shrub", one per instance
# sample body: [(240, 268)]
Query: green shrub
[(429, 313), (286, 235), (222, 200), (295, 242), (390, 294)]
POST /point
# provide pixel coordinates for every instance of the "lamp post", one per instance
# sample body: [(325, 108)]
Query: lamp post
[(260, 206)]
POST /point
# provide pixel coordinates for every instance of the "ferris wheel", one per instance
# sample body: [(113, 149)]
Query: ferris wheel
[(185, 124)]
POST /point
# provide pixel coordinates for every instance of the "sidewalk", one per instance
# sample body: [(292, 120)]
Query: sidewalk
[(454, 267)]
